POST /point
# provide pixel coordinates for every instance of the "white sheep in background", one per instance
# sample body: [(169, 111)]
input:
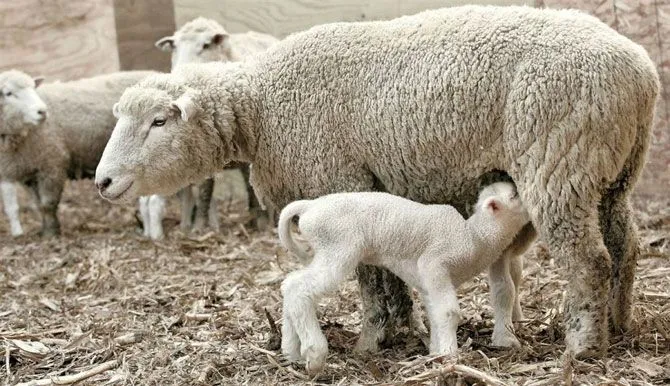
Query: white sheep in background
[(52, 133), (421, 107), (198, 41), (430, 247)]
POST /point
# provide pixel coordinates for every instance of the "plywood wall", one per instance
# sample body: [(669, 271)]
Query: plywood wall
[(138, 25), (281, 18), (60, 39)]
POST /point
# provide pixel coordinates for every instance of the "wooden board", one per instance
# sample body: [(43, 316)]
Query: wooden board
[(280, 18), (138, 25), (60, 39)]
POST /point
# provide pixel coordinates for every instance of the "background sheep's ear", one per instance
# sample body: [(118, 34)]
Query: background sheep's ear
[(185, 106), (219, 38), (38, 81), (115, 110), (165, 44)]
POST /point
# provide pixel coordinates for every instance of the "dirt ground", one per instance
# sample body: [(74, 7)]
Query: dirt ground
[(196, 309)]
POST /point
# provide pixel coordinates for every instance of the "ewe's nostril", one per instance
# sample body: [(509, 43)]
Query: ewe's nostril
[(104, 184)]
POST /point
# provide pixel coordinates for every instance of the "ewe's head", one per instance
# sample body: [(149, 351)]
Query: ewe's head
[(20, 106), (159, 142), (198, 41), (501, 201)]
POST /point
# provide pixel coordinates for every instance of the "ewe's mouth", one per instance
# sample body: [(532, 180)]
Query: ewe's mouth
[(119, 195)]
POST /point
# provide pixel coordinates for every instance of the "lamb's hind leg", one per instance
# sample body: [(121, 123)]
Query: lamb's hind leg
[(621, 240), (301, 291)]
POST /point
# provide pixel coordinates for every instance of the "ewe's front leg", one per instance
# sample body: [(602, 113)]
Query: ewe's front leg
[(49, 193), (502, 289), (11, 206)]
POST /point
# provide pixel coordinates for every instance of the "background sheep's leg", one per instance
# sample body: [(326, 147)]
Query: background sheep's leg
[(503, 289), (621, 240), (49, 193), (144, 213), (301, 291), (203, 202), (516, 273), (156, 213), (187, 205), (260, 217), (11, 206)]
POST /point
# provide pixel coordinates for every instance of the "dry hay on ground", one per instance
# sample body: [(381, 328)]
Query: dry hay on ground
[(192, 310)]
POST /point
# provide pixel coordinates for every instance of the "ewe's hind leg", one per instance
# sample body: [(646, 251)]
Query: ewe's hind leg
[(187, 205), (205, 192), (621, 240), (301, 291), (11, 206), (260, 217), (570, 227), (502, 288)]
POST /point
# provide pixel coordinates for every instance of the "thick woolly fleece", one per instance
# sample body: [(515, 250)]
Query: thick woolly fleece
[(69, 143), (431, 247), (422, 106)]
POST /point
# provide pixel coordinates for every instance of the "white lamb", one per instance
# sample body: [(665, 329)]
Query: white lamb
[(430, 247)]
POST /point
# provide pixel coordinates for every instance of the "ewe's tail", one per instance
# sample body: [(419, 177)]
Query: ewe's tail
[(284, 228)]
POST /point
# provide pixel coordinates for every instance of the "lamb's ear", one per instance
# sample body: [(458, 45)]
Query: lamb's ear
[(115, 110), (492, 204), (219, 38), (185, 106), (165, 44), (38, 81)]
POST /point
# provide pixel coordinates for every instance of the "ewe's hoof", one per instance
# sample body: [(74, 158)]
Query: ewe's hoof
[(49, 232)]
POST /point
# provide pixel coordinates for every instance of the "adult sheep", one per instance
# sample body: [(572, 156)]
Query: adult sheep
[(56, 132), (421, 107), (198, 41)]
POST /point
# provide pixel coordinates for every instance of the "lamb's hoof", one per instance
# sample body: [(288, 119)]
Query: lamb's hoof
[(315, 359), (505, 340), (291, 349)]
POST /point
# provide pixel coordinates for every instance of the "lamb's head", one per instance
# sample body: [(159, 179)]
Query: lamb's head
[(501, 201), (20, 106), (198, 41), (162, 141)]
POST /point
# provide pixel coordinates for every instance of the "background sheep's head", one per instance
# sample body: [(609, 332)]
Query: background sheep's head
[(198, 41), (159, 143), (20, 106)]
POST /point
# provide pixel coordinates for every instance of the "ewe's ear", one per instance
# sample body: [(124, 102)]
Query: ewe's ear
[(165, 44), (492, 204), (115, 110), (38, 81), (185, 106), (219, 38)]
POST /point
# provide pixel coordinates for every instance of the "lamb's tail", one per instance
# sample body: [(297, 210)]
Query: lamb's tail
[(284, 228)]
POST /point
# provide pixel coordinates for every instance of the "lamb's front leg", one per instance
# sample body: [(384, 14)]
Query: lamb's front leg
[(441, 302), (502, 299), (516, 270)]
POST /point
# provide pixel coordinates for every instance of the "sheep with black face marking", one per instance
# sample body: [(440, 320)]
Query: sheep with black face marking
[(54, 133), (198, 41), (421, 107), (430, 247)]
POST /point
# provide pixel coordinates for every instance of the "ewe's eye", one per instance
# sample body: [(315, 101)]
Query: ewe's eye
[(206, 46), (158, 122)]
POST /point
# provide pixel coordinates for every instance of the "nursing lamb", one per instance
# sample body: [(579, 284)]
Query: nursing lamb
[(421, 107), (431, 247)]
